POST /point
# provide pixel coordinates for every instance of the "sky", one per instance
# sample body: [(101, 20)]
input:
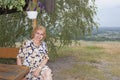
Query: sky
[(108, 13)]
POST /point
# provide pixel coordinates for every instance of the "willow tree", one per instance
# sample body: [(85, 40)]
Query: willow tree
[(70, 19)]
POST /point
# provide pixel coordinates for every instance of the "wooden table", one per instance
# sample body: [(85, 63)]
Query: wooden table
[(12, 72)]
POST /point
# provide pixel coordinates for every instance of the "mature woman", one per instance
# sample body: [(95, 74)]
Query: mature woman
[(33, 54)]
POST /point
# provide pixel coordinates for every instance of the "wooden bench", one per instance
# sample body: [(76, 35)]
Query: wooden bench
[(9, 71), (8, 52)]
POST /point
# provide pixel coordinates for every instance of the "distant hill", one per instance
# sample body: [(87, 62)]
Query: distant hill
[(104, 34)]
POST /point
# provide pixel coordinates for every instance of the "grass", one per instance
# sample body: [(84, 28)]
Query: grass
[(98, 61)]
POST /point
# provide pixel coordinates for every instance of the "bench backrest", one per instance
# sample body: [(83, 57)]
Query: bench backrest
[(8, 52)]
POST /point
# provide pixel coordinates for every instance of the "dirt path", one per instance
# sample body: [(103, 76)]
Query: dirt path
[(59, 65)]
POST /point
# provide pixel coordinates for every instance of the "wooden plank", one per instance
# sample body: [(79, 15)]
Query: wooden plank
[(12, 72), (8, 52)]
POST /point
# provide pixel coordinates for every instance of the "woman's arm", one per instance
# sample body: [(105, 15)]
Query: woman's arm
[(19, 62), (44, 61), (46, 58), (21, 53)]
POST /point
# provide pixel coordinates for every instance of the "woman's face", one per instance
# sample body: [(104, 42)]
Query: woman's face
[(39, 35)]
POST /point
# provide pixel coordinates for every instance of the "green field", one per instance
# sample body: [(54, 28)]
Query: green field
[(90, 61)]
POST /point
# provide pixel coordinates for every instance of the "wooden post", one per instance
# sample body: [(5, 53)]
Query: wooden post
[(34, 22)]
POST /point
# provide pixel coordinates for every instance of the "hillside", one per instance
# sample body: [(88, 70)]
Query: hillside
[(104, 34)]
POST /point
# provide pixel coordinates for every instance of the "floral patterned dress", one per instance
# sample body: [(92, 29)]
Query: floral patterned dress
[(32, 57)]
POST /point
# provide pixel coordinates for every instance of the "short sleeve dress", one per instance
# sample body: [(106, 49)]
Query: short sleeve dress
[(32, 57)]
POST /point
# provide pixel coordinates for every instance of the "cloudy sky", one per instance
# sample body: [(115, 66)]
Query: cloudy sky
[(108, 13)]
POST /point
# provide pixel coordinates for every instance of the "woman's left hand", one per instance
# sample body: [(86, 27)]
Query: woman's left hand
[(36, 72)]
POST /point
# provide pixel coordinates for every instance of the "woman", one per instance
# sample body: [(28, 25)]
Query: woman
[(33, 54)]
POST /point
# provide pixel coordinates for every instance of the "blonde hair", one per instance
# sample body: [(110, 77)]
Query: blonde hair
[(42, 28)]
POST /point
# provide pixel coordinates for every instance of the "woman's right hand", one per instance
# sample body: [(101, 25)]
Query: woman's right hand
[(19, 61)]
